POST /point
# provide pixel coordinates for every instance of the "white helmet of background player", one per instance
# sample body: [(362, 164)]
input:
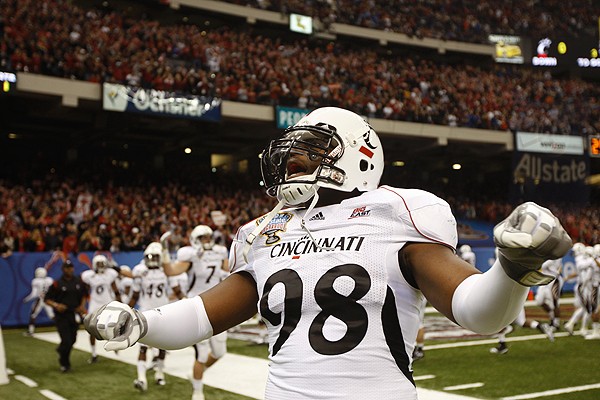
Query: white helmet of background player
[(465, 248), (100, 263), (349, 152), (578, 249), (201, 237), (40, 272), (152, 255), (589, 251), (125, 268)]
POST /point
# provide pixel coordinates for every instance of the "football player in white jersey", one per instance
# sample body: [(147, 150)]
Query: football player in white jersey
[(102, 287), (595, 297), (548, 296), (124, 282), (150, 291), (467, 254), (584, 271), (206, 264), (338, 274), (39, 286)]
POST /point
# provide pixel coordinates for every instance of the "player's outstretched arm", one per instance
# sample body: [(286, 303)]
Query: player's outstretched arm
[(487, 302), (179, 324)]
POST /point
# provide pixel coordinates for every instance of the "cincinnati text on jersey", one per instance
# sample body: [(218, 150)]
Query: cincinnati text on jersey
[(306, 246)]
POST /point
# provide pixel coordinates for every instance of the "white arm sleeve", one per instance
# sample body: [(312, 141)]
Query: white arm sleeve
[(177, 325), (486, 303)]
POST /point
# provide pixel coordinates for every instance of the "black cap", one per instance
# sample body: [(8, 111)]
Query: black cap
[(67, 263)]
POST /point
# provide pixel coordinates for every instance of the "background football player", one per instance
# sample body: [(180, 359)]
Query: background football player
[(39, 286), (102, 288), (206, 264), (151, 290)]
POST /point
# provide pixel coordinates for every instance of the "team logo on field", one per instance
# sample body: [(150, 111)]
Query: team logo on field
[(360, 212), (277, 224)]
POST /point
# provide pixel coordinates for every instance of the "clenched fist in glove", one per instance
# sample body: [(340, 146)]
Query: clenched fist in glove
[(529, 236), (118, 323)]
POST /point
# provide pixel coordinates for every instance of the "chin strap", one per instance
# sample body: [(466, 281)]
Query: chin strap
[(260, 227), (303, 223)]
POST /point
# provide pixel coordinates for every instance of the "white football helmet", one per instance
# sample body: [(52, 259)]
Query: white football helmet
[(199, 232), (152, 255), (40, 272), (100, 263), (578, 248), (465, 248), (349, 152), (597, 250), (125, 268), (589, 251)]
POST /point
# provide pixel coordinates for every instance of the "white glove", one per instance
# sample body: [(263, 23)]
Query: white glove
[(164, 239), (118, 323), (164, 242), (529, 236)]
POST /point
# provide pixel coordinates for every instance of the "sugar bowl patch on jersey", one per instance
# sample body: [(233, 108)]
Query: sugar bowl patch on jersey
[(276, 227)]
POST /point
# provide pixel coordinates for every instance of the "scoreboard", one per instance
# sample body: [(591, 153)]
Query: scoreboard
[(8, 82), (566, 52), (594, 146)]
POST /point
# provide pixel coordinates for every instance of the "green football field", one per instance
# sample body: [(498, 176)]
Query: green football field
[(534, 367)]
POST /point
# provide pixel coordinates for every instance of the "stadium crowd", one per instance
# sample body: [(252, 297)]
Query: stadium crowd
[(464, 21), (58, 213), (57, 38)]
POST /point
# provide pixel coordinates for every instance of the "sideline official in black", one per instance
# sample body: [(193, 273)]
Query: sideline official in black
[(67, 297)]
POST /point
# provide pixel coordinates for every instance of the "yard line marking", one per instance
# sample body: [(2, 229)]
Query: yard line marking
[(423, 377), (465, 386), (491, 341), (51, 395), (29, 382), (553, 392)]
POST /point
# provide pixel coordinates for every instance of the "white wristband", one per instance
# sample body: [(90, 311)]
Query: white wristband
[(177, 325), (486, 303)]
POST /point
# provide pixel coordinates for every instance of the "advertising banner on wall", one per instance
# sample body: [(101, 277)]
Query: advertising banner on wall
[(18, 270), (122, 98), (549, 169), (288, 116)]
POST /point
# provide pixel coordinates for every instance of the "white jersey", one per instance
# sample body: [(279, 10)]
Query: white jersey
[(100, 284), (550, 294), (353, 302), (124, 285), (39, 287), (153, 286), (205, 267), (180, 280), (585, 269), (584, 289)]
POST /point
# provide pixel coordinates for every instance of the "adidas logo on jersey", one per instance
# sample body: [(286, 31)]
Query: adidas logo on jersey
[(317, 217)]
